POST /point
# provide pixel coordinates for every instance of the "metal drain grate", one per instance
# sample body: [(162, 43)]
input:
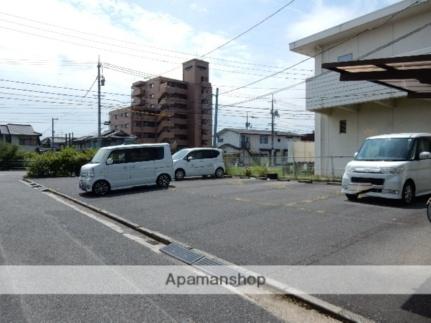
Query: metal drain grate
[(181, 253), (215, 268)]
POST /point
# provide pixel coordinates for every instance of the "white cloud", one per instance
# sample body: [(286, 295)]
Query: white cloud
[(323, 16), (198, 7), (129, 23)]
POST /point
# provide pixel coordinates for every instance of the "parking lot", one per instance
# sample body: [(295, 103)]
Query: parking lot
[(255, 222)]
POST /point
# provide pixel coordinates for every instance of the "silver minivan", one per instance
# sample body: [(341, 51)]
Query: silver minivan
[(395, 166), (125, 166)]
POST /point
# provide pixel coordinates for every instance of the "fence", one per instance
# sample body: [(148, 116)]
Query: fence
[(330, 167)]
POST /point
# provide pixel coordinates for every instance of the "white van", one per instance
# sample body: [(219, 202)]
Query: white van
[(126, 166), (396, 166), (198, 162)]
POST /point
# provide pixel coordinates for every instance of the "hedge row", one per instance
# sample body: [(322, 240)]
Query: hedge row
[(66, 162), (10, 156)]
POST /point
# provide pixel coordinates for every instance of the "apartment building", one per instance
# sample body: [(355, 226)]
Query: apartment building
[(178, 112), (349, 112)]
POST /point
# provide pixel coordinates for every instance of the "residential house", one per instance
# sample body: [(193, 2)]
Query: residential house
[(22, 135), (108, 138), (248, 143), (59, 143), (348, 112)]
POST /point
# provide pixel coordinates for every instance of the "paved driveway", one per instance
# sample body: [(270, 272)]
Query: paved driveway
[(253, 222)]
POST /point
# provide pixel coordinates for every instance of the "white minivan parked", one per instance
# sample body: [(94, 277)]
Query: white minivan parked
[(396, 166), (198, 162), (125, 166)]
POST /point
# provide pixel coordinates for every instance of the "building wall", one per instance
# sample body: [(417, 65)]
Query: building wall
[(282, 144), (326, 91), (368, 108), (365, 120), (168, 110), (229, 137), (15, 140), (121, 119), (302, 151)]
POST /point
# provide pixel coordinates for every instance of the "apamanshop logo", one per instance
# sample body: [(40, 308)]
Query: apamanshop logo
[(203, 280)]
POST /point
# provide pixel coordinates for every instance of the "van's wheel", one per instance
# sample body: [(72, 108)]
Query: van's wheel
[(408, 194), (163, 181), (352, 197), (219, 173), (180, 174), (101, 188)]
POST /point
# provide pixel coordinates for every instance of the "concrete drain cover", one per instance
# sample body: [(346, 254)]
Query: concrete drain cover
[(181, 253)]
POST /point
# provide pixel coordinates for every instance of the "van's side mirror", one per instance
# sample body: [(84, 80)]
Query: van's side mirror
[(425, 155), (355, 154), (109, 161), (189, 158)]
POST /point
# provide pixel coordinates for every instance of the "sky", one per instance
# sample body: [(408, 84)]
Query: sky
[(50, 48)]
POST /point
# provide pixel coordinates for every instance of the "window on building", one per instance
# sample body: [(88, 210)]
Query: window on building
[(27, 141), (151, 85), (152, 96), (345, 58), (115, 116), (126, 114), (244, 141), (263, 139), (343, 126)]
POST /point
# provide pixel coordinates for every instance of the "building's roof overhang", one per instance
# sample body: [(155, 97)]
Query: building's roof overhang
[(411, 74), (313, 44)]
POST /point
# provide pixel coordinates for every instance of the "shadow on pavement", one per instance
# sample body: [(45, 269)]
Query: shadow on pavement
[(128, 191), (420, 202)]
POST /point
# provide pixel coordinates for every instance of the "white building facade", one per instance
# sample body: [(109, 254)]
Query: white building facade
[(250, 142), (349, 112)]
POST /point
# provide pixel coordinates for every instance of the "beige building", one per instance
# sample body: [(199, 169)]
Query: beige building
[(348, 112), (169, 110)]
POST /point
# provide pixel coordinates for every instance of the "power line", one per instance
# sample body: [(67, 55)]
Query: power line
[(321, 52), (56, 86), (250, 28), (134, 43)]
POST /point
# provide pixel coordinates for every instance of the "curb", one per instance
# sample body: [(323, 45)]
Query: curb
[(315, 303)]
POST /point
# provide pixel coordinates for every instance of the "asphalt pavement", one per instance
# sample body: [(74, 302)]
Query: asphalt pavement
[(254, 222), (37, 230)]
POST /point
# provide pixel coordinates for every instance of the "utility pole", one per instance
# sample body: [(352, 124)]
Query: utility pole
[(100, 83), (99, 103), (215, 118), (52, 132), (274, 114), (272, 130), (247, 124)]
